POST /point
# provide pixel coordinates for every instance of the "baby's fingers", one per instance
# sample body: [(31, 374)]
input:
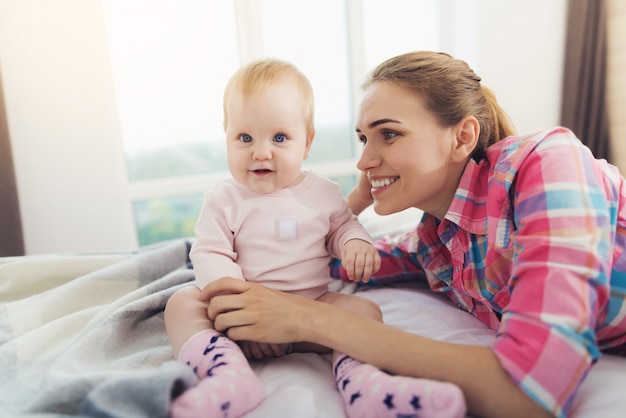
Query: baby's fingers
[(348, 262), (364, 267), (358, 267)]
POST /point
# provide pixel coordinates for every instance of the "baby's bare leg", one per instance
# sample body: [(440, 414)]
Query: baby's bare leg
[(185, 316), (228, 385)]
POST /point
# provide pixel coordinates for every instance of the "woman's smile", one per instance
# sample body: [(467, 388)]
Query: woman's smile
[(381, 185), (383, 182)]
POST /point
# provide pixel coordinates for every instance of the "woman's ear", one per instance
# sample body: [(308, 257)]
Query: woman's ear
[(467, 133)]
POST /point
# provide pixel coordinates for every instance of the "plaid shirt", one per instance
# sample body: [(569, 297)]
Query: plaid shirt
[(533, 245)]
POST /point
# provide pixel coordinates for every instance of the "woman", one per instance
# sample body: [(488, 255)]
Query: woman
[(527, 233)]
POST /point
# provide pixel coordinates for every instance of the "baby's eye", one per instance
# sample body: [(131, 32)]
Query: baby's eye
[(245, 138), (280, 138)]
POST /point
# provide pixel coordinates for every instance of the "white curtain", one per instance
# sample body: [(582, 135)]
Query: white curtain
[(616, 80)]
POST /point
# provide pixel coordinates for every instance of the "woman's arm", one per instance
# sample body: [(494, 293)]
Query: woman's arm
[(246, 311), (360, 197)]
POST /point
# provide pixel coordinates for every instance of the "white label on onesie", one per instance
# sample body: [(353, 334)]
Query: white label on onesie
[(285, 229)]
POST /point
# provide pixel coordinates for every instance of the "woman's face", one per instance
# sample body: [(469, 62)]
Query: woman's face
[(409, 158)]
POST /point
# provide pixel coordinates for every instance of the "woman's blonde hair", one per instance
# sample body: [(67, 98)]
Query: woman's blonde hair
[(450, 90), (258, 75)]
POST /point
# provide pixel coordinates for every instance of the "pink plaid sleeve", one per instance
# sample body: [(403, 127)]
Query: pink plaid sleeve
[(546, 340), (398, 262)]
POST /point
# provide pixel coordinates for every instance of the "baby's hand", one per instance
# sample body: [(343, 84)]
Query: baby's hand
[(360, 259)]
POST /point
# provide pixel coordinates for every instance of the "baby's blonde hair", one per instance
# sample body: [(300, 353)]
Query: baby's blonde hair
[(258, 75)]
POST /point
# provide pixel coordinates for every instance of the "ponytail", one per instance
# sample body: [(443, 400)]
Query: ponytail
[(499, 126)]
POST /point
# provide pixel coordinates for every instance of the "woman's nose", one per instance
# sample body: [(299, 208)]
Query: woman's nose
[(368, 159)]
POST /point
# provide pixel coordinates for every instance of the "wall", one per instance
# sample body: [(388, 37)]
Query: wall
[(65, 131), (63, 126), (520, 56), (11, 237)]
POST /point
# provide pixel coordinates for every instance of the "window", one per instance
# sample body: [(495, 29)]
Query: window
[(171, 60)]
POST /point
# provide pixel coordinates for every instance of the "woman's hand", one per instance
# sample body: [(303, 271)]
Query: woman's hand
[(250, 311), (361, 196)]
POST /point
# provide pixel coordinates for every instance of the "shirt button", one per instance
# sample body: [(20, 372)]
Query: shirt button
[(457, 268)]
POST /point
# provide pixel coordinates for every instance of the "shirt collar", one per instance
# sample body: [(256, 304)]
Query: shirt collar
[(469, 206)]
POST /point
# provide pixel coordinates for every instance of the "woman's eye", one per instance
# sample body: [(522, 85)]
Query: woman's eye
[(280, 138), (363, 139), (389, 134), (245, 138)]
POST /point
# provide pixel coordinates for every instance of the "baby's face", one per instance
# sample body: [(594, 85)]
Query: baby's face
[(266, 137)]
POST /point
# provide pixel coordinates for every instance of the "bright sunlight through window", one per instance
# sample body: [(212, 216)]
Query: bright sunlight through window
[(171, 60)]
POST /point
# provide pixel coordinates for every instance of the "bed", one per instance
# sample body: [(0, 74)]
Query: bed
[(83, 335)]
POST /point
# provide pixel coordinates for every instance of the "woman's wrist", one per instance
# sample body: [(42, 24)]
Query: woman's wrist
[(310, 318), (328, 326), (356, 203)]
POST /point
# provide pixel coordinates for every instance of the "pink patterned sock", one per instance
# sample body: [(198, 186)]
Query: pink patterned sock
[(369, 392), (228, 386)]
